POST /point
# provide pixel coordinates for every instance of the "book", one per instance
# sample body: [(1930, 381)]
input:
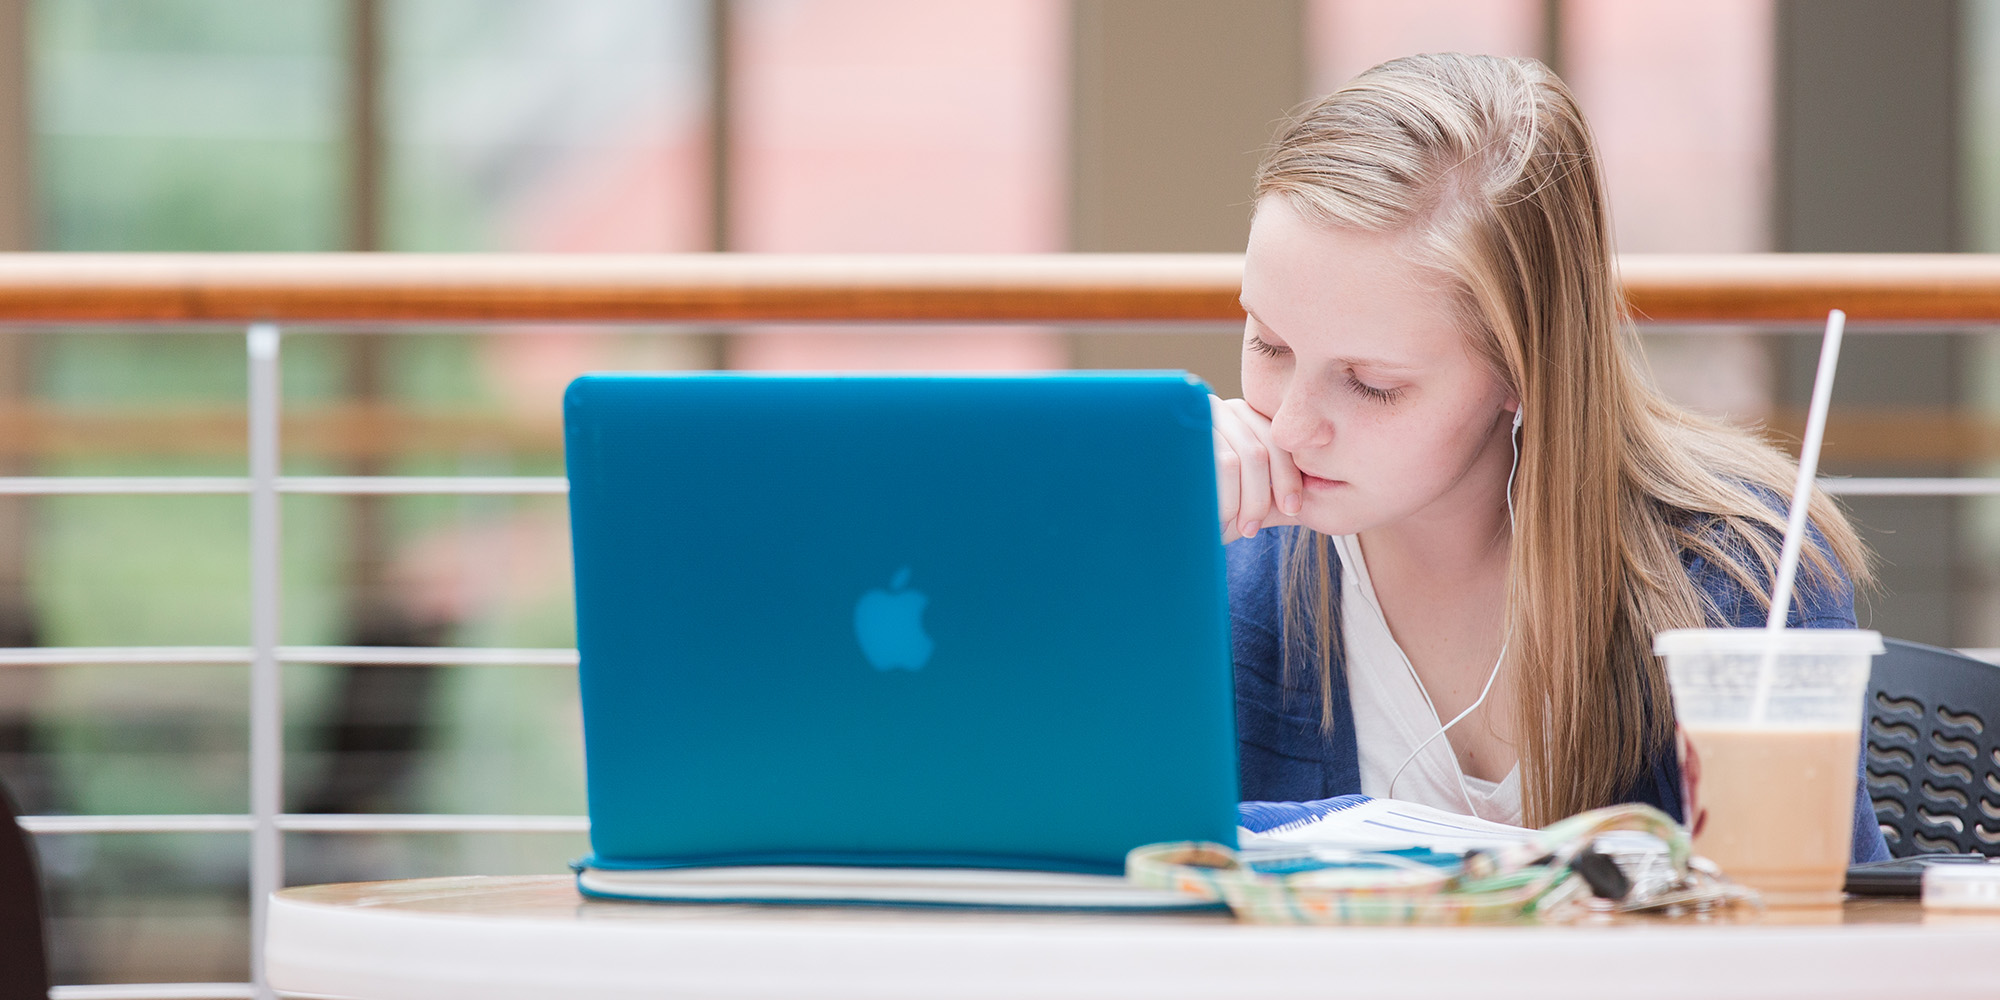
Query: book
[(842, 884), (1357, 830)]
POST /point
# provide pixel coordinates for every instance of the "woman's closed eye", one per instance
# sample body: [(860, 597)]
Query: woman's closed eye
[(1376, 393), (1259, 345)]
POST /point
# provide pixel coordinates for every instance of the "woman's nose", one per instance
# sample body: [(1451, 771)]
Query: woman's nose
[(1295, 427)]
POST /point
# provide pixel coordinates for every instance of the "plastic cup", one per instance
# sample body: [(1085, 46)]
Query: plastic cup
[(1771, 737)]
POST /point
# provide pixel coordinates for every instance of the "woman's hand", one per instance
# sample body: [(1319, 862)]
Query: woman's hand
[(1255, 479)]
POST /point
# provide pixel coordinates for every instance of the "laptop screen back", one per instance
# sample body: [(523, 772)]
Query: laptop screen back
[(899, 620)]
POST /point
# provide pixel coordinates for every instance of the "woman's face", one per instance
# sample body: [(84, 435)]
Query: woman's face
[(1360, 361)]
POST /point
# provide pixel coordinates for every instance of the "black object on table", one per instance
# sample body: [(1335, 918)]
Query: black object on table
[(1902, 876)]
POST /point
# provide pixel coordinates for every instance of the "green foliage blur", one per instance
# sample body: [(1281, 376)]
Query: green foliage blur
[(189, 124)]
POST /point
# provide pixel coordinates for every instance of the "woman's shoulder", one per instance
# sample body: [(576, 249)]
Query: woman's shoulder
[(1820, 599)]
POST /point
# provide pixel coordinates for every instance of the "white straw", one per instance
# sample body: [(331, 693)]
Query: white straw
[(1795, 524)]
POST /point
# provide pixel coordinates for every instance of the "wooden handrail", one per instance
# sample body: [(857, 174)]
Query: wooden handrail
[(691, 288), (747, 288), (1891, 288)]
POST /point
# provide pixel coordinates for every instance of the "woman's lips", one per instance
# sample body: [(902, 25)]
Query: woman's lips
[(1316, 483)]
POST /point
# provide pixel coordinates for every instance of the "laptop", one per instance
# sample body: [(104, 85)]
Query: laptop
[(922, 622)]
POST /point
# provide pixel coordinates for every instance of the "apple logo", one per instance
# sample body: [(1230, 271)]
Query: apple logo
[(889, 624)]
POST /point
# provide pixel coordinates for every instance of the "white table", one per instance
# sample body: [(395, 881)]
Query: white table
[(534, 937)]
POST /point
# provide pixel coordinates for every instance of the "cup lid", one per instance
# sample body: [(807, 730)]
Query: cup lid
[(1810, 641)]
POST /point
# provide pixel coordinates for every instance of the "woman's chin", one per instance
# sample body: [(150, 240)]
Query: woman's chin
[(1318, 517)]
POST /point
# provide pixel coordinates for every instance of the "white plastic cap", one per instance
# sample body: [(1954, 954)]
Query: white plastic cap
[(1962, 887)]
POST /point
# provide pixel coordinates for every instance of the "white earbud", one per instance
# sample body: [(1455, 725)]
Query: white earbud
[(1513, 438)]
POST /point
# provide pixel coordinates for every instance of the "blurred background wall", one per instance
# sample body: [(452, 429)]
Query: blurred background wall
[(775, 125)]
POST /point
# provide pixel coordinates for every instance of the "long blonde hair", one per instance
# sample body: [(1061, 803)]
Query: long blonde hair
[(1489, 165)]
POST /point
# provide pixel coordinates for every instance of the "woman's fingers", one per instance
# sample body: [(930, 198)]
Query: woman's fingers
[(1288, 485), (1240, 446), (1257, 484), (1228, 486)]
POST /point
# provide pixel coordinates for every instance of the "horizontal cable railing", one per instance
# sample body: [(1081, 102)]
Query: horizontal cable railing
[(384, 434), (155, 991), (164, 823), (530, 485), (1912, 487), (1880, 293), (308, 823), (399, 656), (336, 485)]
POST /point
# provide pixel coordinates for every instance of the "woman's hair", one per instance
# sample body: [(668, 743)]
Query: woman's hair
[(1486, 170)]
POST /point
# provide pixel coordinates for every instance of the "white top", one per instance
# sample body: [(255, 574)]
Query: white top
[(1393, 714)]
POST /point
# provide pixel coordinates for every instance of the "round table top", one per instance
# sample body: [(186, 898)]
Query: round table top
[(502, 938)]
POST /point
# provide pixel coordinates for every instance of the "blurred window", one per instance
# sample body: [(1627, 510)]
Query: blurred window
[(1980, 118), (1345, 37), (546, 125), (1681, 98), (899, 125)]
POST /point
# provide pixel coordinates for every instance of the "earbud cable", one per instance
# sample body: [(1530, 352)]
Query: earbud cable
[(1459, 772)]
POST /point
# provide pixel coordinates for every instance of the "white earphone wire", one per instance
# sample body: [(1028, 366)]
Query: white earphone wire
[(1458, 772)]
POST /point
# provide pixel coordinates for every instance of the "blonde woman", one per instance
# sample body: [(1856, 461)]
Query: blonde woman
[(1457, 511)]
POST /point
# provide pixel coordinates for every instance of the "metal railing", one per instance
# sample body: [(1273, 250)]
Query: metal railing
[(1879, 292)]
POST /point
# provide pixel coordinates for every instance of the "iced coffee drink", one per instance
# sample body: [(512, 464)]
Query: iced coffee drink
[(1749, 782), (1772, 727)]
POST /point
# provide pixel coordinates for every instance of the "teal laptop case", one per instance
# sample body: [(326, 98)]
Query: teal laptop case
[(912, 621)]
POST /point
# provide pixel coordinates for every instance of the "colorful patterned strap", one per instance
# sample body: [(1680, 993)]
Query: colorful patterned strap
[(1537, 878)]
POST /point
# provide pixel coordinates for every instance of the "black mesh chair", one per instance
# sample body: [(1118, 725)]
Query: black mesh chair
[(24, 965), (1933, 735)]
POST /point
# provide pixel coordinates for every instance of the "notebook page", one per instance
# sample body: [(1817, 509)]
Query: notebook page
[(1360, 822)]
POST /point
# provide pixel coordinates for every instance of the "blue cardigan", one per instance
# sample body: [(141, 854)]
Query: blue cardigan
[(1284, 755)]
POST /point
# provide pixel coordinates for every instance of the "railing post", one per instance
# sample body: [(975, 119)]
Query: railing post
[(267, 858)]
